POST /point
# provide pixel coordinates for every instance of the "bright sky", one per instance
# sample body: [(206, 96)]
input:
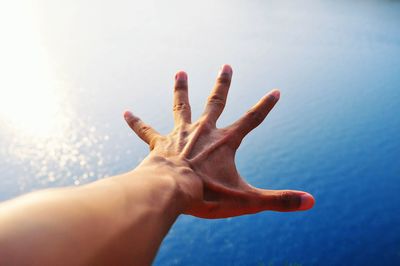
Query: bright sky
[(30, 95)]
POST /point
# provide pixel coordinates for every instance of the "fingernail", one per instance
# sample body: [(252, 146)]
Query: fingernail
[(225, 69), (276, 94), (181, 75), (307, 201)]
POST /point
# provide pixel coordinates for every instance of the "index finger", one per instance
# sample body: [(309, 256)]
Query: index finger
[(256, 115)]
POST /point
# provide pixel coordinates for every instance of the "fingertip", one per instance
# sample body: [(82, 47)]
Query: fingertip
[(181, 75), (127, 114), (226, 69), (130, 118), (276, 94), (307, 201)]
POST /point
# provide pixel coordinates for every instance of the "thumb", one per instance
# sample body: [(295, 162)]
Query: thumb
[(285, 200)]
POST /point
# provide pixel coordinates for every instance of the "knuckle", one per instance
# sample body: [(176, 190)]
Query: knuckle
[(288, 200), (144, 129), (185, 170), (181, 107), (206, 125), (216, 99), (224, 79), (181, 131), (133, 120), (184, 134), (180, 85), (256, 116)]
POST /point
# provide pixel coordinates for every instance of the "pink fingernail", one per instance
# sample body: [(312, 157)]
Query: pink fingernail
[(181, 75), (225, 69), (307, 201)]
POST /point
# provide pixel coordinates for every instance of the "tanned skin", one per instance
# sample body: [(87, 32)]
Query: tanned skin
[(122, 220)]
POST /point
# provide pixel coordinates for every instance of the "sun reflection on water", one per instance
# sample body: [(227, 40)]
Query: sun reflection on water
[(36, 112)]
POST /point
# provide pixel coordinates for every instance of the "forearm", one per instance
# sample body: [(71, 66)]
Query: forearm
[(118, 220)]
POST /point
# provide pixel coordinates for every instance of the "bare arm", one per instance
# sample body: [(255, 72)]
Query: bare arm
[(123, 219), (116, 221)]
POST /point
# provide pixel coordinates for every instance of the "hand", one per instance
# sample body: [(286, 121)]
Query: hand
[(203, 155)]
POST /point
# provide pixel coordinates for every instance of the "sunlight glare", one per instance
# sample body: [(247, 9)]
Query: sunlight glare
[(30, 98)]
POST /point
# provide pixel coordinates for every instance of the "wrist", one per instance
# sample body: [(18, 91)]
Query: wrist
[(187, 185), (166, 177)]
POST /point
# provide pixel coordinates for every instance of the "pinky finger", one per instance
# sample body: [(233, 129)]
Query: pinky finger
[(144, 131)]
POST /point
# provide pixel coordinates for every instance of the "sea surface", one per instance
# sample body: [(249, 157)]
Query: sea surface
[(68, 70)]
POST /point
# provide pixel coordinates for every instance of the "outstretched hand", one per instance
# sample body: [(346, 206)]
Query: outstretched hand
[(202, 155), (122, 220)]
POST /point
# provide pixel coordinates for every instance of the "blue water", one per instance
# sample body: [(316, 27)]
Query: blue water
[(334, 133)]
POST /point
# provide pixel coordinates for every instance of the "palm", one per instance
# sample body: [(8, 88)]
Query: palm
[(209, 152)]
